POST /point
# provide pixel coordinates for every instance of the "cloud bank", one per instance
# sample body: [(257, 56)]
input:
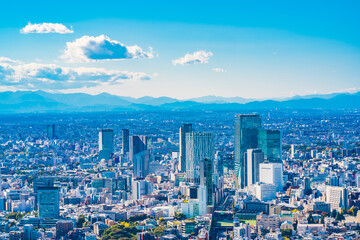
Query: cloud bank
[(196, 57), (54, 77), (45, 28), (91, 49)]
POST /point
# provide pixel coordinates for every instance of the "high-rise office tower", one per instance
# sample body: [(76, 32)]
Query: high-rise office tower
[(106, 143), (48, 202), (206, 179), (139, 155), (125, 141), (270, 142), (106, 139), (199, 146), (272, 173), (293, 150), (51, 131), (247, 127), (253, 158), (182, 146), (41, 183)]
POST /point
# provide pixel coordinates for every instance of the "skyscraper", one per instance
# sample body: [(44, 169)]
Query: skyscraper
[(270, 143), (247, 127), (139, 155), (206, 179), (106, 139), (182, 146), (41, 183), (293, 150), (125, 141), (199, 146), (48, 202), (106, 143), (51, 131), (253, 158)]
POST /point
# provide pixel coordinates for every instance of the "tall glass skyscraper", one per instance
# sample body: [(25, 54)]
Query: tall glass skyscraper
[(125, 141), (106, 139), (139, 155), (247, 128), (51, 131), (106, 143), (199, 146), (206, 179), (182, 146), (271, 144)]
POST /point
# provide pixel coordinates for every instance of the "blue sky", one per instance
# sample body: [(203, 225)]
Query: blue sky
[(182, 49)]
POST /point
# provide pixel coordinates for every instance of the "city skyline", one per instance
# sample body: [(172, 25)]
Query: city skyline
[(238, 49)]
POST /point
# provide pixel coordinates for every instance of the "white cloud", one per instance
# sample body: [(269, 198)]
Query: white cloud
[(45, 28), (219, 70), (196, 57), (54, 77), (91, 49), (8, 60)]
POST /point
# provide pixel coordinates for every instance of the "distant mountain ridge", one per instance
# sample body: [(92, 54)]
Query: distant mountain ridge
[(39, 101)]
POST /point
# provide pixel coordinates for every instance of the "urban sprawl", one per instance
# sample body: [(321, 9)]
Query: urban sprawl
[(180, 175)]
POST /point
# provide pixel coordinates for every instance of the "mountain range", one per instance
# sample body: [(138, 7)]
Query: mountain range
[(39, 101)]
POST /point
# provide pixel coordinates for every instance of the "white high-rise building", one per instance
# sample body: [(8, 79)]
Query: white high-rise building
[(357, 179), (253, 158), (337, 197), (199, 146), (272, 173), (190, 208), (293, 150), (263, 191)]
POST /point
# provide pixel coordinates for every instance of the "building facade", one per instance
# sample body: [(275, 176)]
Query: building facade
[(247, 127), (199, 146), (186, 128)]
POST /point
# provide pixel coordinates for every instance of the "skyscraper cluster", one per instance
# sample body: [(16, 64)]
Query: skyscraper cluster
[(254, 145)]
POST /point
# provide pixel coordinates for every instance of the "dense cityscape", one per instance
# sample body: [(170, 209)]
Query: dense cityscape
[(277, 174)]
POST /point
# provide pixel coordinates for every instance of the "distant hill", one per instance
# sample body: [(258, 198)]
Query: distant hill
[(39, 101)]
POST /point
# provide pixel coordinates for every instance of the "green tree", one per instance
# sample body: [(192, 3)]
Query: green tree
[(16, 216), (353, 211), (339, 217), (80, 221), (179, 216), (138, 217), (310, 218), (158, 231), (333, 213), (162, 222), (119, 232), (343, 211), (286, 233)]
